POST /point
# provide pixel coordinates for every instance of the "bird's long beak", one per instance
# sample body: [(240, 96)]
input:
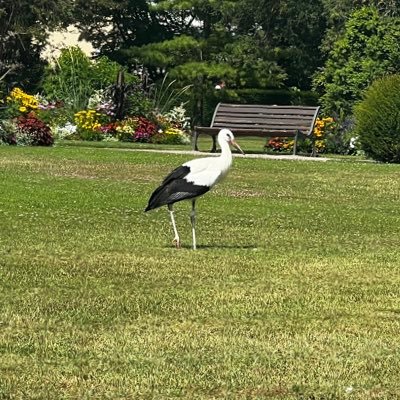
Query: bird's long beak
[(234, 144)]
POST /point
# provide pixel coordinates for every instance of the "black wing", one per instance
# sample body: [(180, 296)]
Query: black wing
[(175, 188), (177, 173)]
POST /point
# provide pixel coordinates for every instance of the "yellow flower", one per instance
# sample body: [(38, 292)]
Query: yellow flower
[(24, 100), (319, 144), (87, 119), (322, 125), (173, 132), (22, 109)]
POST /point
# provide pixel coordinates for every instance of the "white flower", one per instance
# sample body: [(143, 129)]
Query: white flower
[(71, 128), (96, 98), (177, 116), (63, 132)]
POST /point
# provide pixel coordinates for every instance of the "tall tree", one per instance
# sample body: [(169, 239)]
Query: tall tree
[(294, 29), (368, 49), (283, 36), (24, 27), (337, 12), (114, 25), (211, 42)]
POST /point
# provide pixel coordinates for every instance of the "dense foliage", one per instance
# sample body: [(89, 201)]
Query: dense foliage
[(378, 120), (74, 77), (256, 51), (368, 49), (24, 27), (291, 31), (113, 25)]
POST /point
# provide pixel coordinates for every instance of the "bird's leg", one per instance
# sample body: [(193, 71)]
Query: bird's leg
[(176, 240), (193, 221)]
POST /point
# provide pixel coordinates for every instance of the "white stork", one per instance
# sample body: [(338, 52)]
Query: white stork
[(193, 179)]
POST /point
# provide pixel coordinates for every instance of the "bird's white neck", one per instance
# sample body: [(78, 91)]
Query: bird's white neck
[(226, 155)]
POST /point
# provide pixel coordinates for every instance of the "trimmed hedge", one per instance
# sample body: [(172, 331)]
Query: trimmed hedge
[(378, 120)]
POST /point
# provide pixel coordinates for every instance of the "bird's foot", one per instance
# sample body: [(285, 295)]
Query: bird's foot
[(177, 243)]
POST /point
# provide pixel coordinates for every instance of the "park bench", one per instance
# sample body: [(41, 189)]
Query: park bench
[(260, 120)]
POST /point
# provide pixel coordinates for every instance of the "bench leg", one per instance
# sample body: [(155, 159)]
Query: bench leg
[(295, 143), (314, 149), (195, 137), (214, 146)]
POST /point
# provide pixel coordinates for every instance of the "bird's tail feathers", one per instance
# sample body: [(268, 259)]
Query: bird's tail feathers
[(155, 200)]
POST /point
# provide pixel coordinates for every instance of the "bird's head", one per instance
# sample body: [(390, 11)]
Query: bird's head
[(227, 136)]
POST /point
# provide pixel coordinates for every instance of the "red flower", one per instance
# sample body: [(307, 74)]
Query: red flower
[(39, 132), (275, 144), (144, 131)]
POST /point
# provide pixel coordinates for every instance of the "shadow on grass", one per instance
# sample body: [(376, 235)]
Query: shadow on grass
[(215, 246)]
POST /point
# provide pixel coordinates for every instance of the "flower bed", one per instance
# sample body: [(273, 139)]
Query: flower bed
[(322, 127), (31, 120), (21, 124)]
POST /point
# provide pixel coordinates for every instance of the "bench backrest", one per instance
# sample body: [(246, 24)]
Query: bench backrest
[(263, 118)]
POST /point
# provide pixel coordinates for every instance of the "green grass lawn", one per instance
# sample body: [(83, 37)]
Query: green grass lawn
[(293, 293)]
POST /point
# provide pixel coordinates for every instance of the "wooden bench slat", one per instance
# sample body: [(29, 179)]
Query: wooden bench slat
[(261, 124), (267, 130), (263, 116), (250, 132), (268, 111), (265, 127), (253, 117), (262, 106), (263, 121), (245, 130)]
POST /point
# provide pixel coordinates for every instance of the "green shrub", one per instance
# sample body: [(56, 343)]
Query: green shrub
[(8, 132), (70, 79), (367, 50), (276, 96), (74, 78), (378, 120)]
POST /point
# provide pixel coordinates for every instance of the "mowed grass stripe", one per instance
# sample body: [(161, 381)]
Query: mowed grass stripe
[(292, 294)]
